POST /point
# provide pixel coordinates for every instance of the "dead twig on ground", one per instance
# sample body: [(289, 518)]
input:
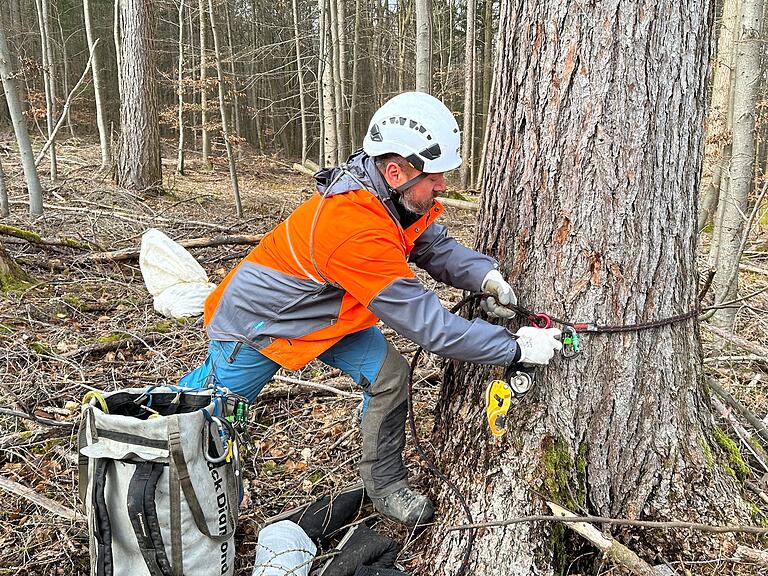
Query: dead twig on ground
[(42, 501)]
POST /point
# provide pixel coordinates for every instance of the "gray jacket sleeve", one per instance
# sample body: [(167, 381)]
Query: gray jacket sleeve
[(416, 313), (448, 261)]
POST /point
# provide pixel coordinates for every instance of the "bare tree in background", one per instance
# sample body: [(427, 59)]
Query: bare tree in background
[(726, 247), (469, 74), (180, 90), (300, 72), (424, 46), (101, 123), (138, 158), (19, 125), (203, 86), (329, 110), (223, 110), (49, 80)]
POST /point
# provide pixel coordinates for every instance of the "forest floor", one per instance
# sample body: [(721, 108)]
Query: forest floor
[(82, 324)]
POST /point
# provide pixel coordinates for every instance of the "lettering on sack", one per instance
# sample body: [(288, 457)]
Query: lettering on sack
[(221, 513)]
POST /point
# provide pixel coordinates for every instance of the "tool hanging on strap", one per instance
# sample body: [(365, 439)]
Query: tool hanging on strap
[(502, 394)]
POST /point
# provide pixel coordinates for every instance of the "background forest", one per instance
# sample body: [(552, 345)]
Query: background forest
[(205, 119)]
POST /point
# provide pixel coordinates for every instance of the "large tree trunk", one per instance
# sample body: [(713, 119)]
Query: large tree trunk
[(138, 159), (589, 204), (726, 246), (8, 77), (101, 122)]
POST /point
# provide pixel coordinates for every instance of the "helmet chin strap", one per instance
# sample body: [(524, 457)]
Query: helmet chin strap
[(413, 181)]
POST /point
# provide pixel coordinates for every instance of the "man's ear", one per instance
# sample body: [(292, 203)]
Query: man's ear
[(394, 174)]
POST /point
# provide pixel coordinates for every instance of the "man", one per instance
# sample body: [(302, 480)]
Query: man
[(317, 284)]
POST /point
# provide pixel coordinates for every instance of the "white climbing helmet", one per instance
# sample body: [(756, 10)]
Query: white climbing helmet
[(418, 127)]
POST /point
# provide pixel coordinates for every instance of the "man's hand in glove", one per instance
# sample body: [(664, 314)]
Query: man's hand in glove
[(538, 345), (494, 283)]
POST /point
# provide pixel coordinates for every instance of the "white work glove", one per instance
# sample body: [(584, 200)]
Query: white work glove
[(494, 283), (538, 345)]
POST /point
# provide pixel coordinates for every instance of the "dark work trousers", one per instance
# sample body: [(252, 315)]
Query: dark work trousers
[(365, 356)]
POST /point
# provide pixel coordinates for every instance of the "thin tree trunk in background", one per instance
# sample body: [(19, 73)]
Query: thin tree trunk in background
[(204, 88), (424, 46), (101, 122), (725, 251), (489, 111), (180, 91), (138, 158), (65, 63), (254, 92), (118, 48), (223, 108), (469, 72), (233, 72), (19, 126), (354, 140), (4, 210), (48, 81), (487, 66), (15, 23), (337, 33), (342, 114), (329, 98), (300, 71), (321, 156), (718, 125), (192, 115)]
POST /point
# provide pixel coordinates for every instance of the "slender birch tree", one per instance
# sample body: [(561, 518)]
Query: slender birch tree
[(204, 86)]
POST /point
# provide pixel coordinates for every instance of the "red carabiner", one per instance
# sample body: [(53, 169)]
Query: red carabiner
[(540, 320)]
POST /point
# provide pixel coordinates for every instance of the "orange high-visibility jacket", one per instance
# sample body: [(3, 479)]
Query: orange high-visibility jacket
[(338, 264)]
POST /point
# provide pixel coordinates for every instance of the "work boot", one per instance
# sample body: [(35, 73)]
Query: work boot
[(405, 506)]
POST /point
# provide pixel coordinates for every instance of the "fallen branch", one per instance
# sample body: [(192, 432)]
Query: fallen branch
[(35, 238), (754, 421), (42, 501), (747, 554), (102, 347), (459, 204), (742, 343), (303, 169), (133, 253), (619, 522), (36, 418), (609, 547)]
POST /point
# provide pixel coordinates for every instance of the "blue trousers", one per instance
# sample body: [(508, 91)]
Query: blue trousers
[(369, 360)]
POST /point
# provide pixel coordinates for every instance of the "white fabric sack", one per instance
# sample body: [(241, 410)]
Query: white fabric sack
[(283, 549), (173, 276)]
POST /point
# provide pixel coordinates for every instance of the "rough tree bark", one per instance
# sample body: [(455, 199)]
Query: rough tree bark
[(725, 251), (101, 122), (138, 158), (424, 46), (8, 77), (589, 203), (11, 274)]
